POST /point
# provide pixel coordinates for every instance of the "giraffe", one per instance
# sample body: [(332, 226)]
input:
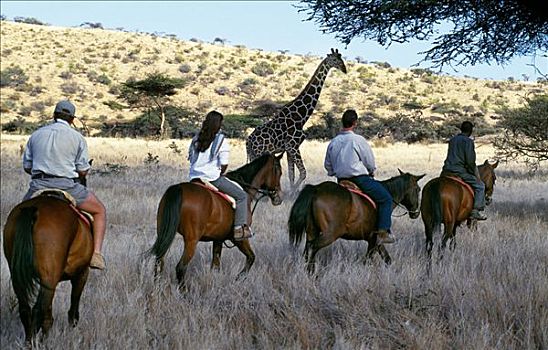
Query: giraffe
[(284, 132)]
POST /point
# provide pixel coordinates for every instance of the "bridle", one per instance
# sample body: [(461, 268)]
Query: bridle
[(268, 192)]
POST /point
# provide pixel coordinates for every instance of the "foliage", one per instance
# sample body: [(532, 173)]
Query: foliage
[(29, 20), (182, 123), (236, 125), (153, 91), (263, 69), (13, 77), (480, 33), (21, 126), (525, 134), (400, 127), (326, 130), (451, 125), (92, 25)]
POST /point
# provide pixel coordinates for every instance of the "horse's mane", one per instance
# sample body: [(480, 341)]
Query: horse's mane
[(244, 175), (396, 184)]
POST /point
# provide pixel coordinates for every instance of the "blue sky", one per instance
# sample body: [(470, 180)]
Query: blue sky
[(268, 25)]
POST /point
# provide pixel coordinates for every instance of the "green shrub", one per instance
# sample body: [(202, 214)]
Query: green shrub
[(21, 126), (263, 69), (29, 20), (13, 77)]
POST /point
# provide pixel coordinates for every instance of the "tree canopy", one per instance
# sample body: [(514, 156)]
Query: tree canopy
[(480, 31), (525, 134), (154, 90)]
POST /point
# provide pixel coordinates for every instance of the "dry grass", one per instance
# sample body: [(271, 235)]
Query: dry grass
[(53, 57), (490, 293)]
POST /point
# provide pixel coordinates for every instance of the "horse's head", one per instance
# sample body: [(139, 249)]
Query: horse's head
[(410, 191), (261, 175), (271, 178), (487, 174)]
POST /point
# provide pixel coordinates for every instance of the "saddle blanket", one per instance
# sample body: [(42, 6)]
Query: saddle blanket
[(352, 187), (461, 181), (208, 185), (86, 217)]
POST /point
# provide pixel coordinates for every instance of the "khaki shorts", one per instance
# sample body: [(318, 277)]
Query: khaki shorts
[(76, 190)]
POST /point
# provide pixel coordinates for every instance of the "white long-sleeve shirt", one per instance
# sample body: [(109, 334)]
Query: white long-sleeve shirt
[(349, 155), (207, 165)]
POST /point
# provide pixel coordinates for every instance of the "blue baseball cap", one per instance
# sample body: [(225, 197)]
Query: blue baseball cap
[(65, 107)]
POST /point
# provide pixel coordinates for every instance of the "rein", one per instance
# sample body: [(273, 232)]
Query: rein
[(264, 193), (406, 210)]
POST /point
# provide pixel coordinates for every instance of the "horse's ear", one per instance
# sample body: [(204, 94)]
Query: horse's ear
[(278, 157), (90, 161), (495, 165), (401, 172), (420, 177), (486, 162)]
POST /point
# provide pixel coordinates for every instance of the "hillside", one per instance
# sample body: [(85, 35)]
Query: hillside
[(87, 66)]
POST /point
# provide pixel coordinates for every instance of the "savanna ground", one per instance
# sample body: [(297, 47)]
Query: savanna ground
[(490, 293)]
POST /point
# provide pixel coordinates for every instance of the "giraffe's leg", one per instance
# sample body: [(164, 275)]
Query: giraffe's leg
[(302, 170), (291, 168)]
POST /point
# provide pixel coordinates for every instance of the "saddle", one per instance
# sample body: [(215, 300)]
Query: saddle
[(460, 181), (352, 187), (209, 186), (86, 217)]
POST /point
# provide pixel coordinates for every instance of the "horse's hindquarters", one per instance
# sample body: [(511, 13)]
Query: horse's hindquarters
[(205, 216)]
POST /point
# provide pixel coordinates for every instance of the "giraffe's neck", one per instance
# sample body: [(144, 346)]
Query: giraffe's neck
[(310, 94)]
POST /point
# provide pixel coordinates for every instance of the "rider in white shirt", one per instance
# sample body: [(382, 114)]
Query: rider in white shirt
[(208, 154)]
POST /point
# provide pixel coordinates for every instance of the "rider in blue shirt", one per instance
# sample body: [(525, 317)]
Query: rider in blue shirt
[(350, 157)]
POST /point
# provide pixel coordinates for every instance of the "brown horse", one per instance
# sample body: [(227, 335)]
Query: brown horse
[(198, 214), (46, 241), (329, 211), (447, 201)]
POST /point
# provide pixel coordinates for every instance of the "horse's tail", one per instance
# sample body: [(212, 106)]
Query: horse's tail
[(433, 199), (23, 273), (301, 214), (167, 221)]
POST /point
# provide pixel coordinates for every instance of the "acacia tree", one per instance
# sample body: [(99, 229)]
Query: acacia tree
[(155, 90), (525, 132), (483, 31)]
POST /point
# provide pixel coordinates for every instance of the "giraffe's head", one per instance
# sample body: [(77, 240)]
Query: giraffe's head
[(334, 60)]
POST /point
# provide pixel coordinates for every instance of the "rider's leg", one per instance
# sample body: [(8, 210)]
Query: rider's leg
[(479, 196), (241, 230), (383, 199), (94, 206)]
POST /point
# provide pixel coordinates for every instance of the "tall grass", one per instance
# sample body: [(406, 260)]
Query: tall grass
[(489, 293)]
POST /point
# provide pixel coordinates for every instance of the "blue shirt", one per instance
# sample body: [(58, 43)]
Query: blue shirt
[(349, 155), (56, 149)]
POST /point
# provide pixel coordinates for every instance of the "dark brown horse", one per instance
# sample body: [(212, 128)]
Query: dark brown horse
[(46, 241), (198, 214), (329, 211), (446, 201)]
